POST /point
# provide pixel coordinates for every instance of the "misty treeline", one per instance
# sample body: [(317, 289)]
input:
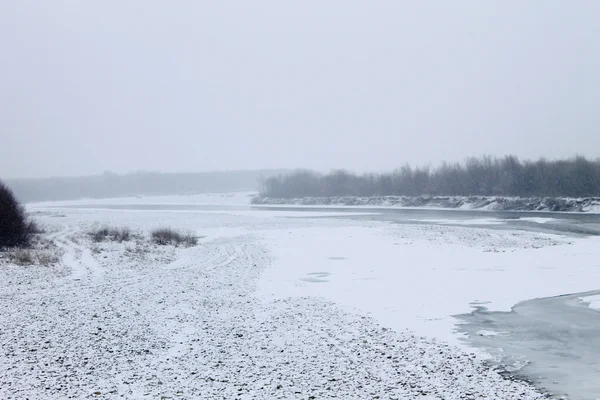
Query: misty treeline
[(140, 183), (483, 176)]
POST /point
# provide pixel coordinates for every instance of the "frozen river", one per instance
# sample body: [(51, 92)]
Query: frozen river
[(548, 222), (554, 341)]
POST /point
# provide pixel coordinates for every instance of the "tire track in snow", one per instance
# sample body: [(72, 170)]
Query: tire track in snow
[(83, 265)]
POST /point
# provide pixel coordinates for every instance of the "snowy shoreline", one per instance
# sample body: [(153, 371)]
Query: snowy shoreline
[(483, 203), (132, 320), (268, 306)]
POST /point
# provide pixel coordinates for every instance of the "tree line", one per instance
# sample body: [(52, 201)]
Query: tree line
[(478, 176)]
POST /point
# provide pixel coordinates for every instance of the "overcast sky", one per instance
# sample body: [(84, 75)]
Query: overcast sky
[(89, 86)]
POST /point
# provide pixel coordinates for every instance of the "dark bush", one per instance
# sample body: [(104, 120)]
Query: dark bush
[(112, 234), (166, 236), (16, 230)]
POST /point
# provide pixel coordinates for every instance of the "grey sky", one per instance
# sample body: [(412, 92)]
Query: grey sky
[(88, 86)]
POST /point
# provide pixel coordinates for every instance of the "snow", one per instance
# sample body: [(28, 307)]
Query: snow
[(593, 208), (473, 221), (593, 301), (538, 220), (233, 212), (486, 333), (269, 305), (417, 277)]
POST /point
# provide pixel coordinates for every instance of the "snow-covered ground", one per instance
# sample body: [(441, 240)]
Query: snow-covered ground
[(418, 276), (268, 306)]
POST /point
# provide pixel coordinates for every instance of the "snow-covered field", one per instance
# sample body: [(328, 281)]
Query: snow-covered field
[(269, 305), (417, 277)]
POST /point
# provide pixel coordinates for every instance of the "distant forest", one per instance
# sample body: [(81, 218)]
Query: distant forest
[(483, 176), (142, 183)]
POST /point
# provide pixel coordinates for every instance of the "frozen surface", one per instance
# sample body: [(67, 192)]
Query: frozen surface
[(417, 277), (593, 301), (269, 306), (538, 220), (554, 341), (473, 221)]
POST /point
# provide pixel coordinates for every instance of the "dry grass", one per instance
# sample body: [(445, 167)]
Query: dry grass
[(47, 258), (24, 257), (112, 234), (169, 236)]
